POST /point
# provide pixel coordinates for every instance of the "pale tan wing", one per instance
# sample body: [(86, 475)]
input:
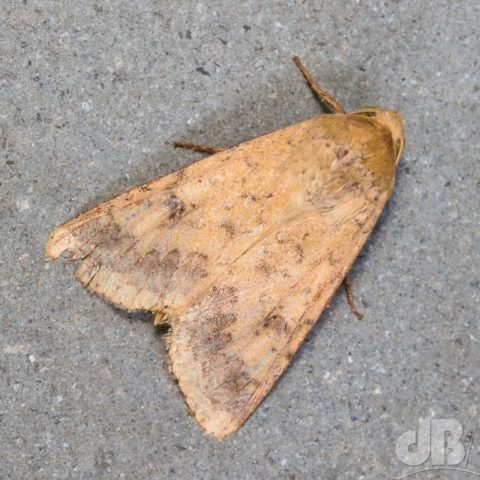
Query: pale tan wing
[(155, 246), (236, 339)]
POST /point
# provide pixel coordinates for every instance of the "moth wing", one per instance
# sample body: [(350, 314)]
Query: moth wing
[(237, 337), (155, 246)]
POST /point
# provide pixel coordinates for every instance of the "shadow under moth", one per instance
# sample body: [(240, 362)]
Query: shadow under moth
[(241, 252)]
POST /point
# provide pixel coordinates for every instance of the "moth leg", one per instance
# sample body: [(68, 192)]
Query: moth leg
[(321, 94), (198, 147), (348, 289)]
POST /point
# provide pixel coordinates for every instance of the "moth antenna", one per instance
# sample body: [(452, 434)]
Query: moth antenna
[(321, 94)]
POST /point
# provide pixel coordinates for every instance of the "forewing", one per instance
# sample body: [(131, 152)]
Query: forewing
[(232, 344), (156, 246)]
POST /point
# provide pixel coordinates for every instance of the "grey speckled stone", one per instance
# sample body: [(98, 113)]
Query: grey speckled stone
[(89, 94)]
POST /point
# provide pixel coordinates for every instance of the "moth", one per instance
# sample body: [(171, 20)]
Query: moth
[(241, 251)]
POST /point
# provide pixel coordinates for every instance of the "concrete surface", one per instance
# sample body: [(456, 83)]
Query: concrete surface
[(89, 94)]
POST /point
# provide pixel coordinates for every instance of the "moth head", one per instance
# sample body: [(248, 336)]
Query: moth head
[(390, 119)]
